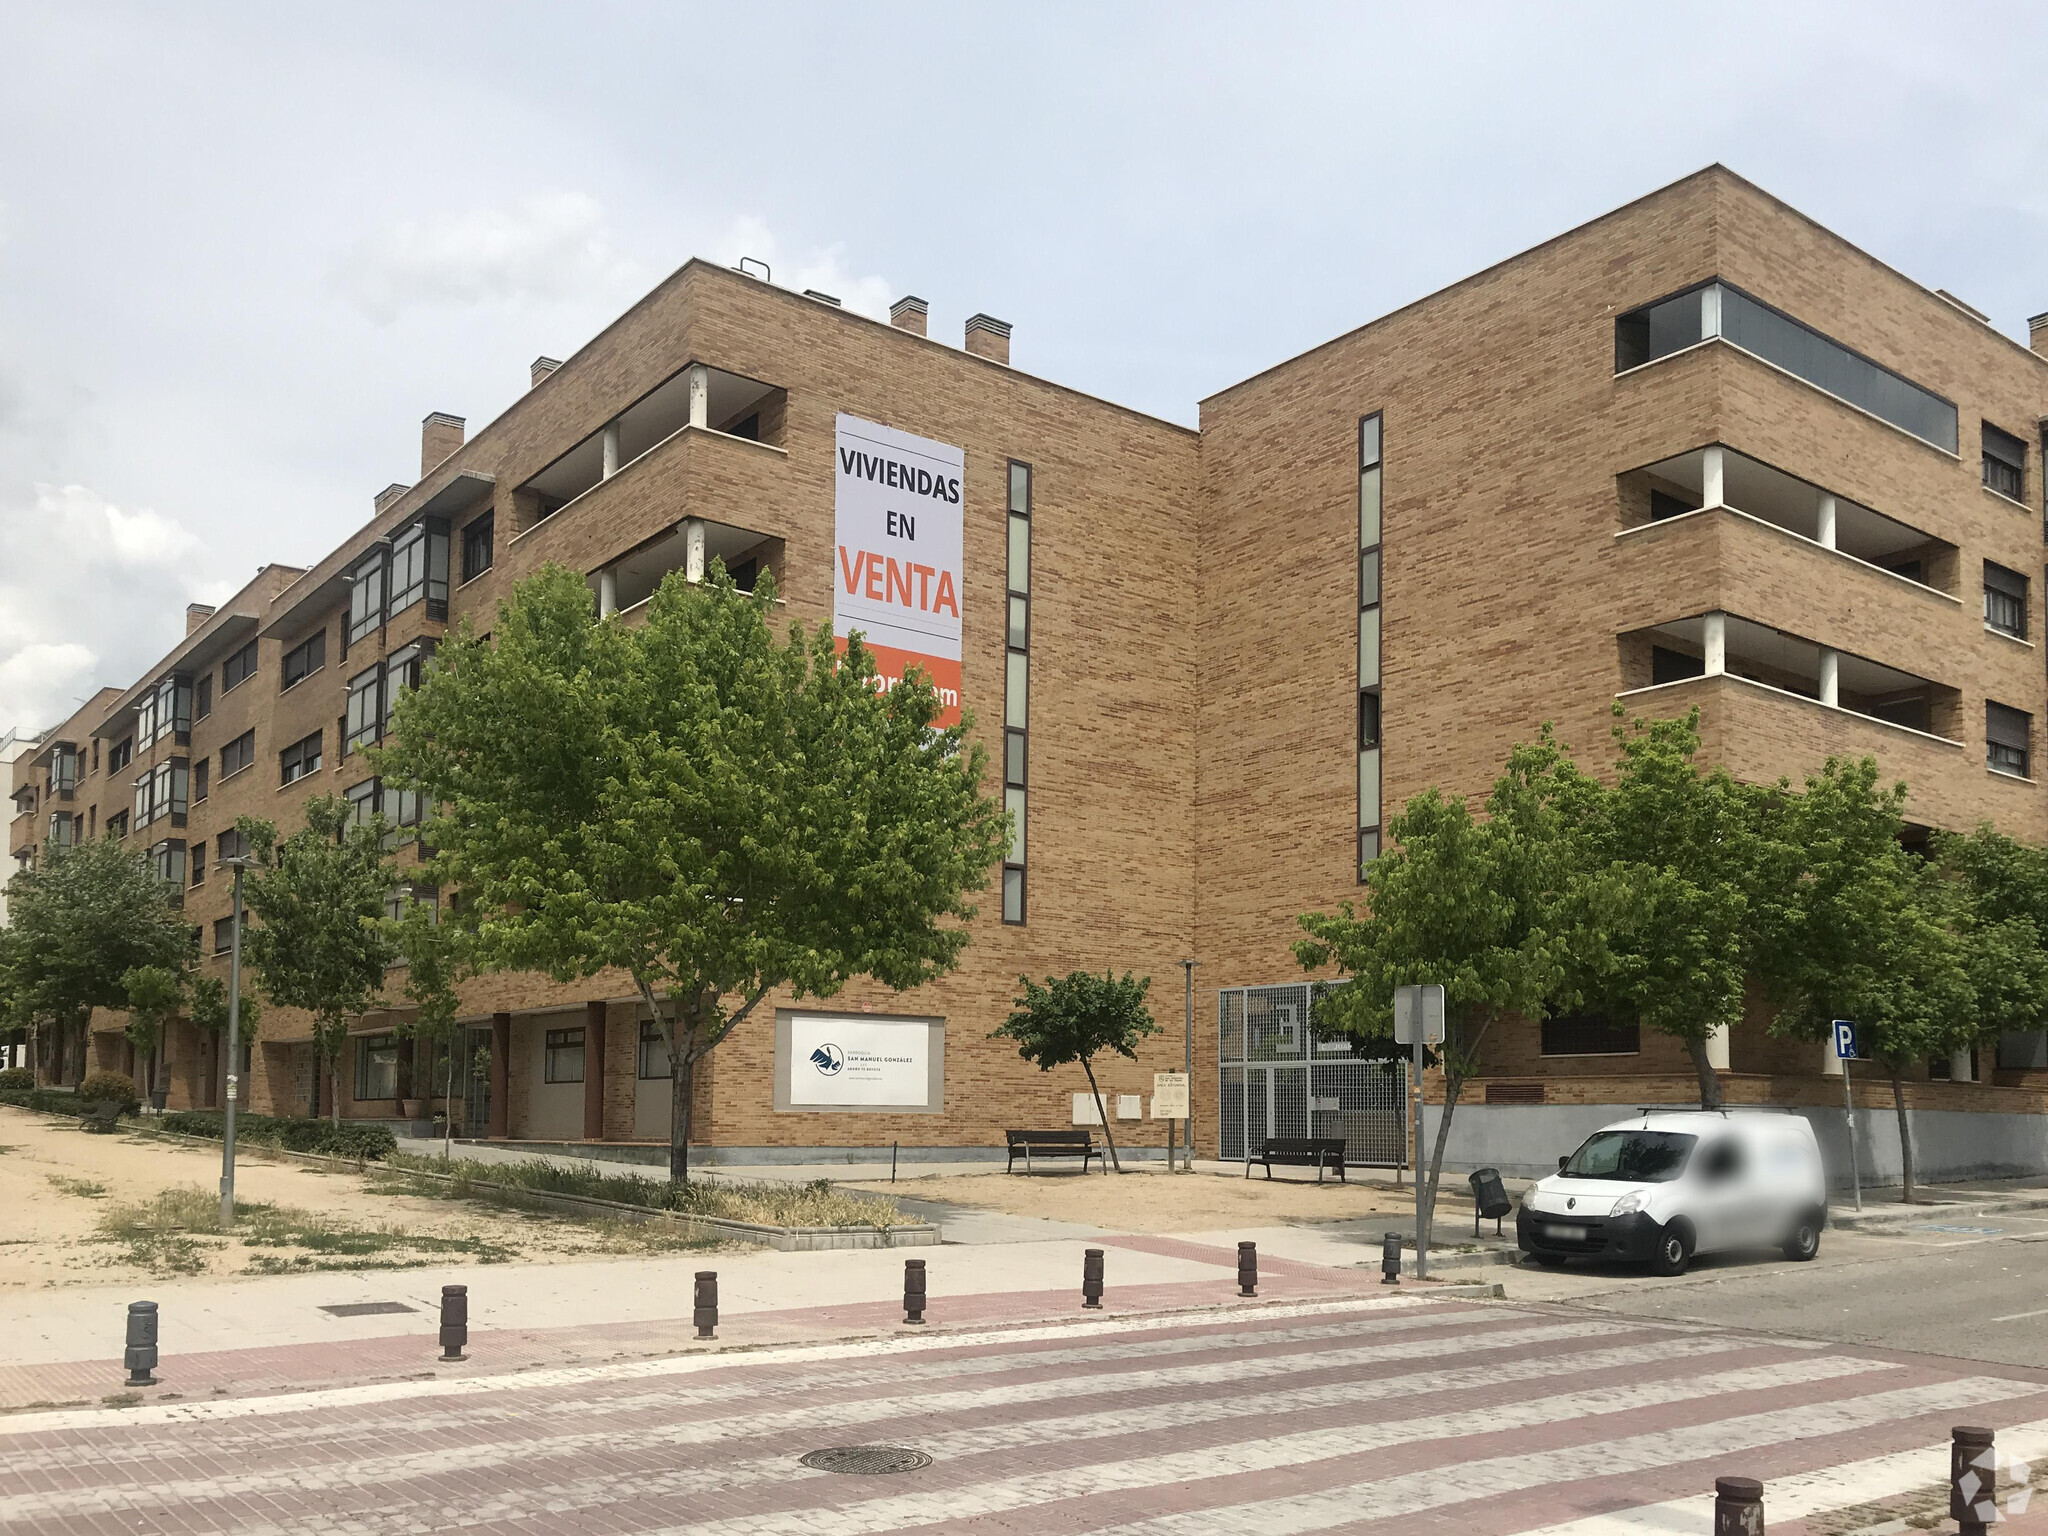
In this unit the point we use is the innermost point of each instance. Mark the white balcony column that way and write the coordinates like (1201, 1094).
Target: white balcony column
(611, 449)
(1962, 1066)
(1714, 642)
(1826, 533)
(1830, 1063)
(1717, 1048)
(700, 396)
(1713, 475)
(607, 592)
(693, 549)
(1831, 678)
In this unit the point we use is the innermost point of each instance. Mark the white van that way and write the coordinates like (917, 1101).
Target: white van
(1663, 1186)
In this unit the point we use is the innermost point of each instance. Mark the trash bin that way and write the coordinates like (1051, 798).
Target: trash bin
(1489, 1198)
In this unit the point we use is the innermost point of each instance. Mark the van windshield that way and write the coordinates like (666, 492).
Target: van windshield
(1634, 1157)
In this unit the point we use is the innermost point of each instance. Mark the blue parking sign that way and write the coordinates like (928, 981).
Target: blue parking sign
(1845, 1040)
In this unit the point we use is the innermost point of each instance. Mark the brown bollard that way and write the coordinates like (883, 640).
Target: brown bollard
(454, 1321)
(1738, 1506)
(1247, 1269)
(706, 1302)
(1091, 1279)
(913, 1291)
(1972, 1479)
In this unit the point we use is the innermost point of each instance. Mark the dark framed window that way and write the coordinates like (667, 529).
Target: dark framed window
(419, 568)
(1590, 1034)
(2008, 737)
(202, 771)
(364, 721)
(238, 754)
(231, 844)
(563, 1056)
(202, 697)
(1370, 466)
(303, 660)
(366, 597)
(1663, 505)
(199, 863)
(2005, 463)
(362, 801)
(1368, 719)
(402, 672)
(653, 1052)
(1017, 687)
(300, 758)
(238, 668)
(479, 540)
(169, 859)
(1669, 666)
(117, 824)
(2005, 601)
(121, 754)
(223, 935)
(376, 1067)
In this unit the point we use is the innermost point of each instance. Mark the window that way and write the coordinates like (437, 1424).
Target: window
(1669, 666)
(376, 1067)
(362, 801)
(564, 1058)
(300, 758)
(238, 668)
(1716, 310)
(366, 597)
(202, 697)
(64, 768)
(199, 863)
(63, 829)
(223, 935)
(238, 754)
(121, 754)
(1369, 468)
(2007, 733)
(231, 844)
(200, 772)
(2005, 601)
(303, 660)
(1590, 1034)
(364, 722)
(166, 710)
(403, 671)
(169, 859)
(2005, 463)
(404, 809)
(419, 568)
(653, 1051)
(162, 792)
(1663, 504)
(478, 541)
(1017, 690)
(117, 824)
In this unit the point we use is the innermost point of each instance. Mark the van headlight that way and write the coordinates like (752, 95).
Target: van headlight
(1628, 1204)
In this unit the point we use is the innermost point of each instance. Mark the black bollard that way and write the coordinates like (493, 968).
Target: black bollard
(1247, 1269)
(706, 1315)
(913, 1291)
(1972, 1479)
(1738, 1506)
(1091, 1279)
(141, 1356)
(454, 1322)
(1390, 1259)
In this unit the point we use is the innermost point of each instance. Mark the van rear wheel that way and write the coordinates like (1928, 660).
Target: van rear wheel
(1674, 1250)
(1804, 1242)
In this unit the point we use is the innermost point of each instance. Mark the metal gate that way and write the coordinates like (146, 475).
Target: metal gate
(1279, 1078)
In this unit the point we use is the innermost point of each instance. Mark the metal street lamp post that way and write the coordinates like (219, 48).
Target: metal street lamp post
(227, 1136)
(1188, 967)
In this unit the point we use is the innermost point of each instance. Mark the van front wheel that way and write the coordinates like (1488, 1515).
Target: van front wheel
(1674, 1250)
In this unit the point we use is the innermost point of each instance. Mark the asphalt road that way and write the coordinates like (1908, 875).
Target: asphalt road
(1972, 1287)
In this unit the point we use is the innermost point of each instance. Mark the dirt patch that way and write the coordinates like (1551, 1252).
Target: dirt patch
(1148, 1199)
(83, 1209)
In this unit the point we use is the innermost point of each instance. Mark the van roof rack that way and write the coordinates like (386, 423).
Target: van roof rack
(1697, 1109)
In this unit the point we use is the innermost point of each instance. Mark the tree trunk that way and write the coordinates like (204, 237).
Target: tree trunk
(334, 1087)
(682, 1077)
(448, 1105)
(160, 1069)
(1107, 1135)
(1452, 1086)
(1710, 1080)
(1905, 1134)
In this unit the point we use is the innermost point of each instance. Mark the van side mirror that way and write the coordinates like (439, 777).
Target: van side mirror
(1562, 1160)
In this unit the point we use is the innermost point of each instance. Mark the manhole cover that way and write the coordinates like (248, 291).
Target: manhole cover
(866, 1460)
(367, 1308)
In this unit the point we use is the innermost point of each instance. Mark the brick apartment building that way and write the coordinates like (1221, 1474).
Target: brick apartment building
(1697, 452)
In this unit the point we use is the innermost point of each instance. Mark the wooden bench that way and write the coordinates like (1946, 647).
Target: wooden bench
(1321, 1153)
(1050, 1144)
(101, 1116)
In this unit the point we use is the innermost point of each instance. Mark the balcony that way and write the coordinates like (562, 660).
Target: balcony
(625, 584)
(24, 834)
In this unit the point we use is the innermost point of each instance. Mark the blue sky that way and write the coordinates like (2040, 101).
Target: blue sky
(244, 249)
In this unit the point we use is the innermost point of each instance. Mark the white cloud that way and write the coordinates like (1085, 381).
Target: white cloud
(824, 268)
(550, 247)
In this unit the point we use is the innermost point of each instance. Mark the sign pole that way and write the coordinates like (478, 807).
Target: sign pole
(1845, 1052)
(1421, 1231)
(1188, 1062)
(233, 1074)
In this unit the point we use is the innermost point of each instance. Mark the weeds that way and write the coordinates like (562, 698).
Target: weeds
(85, 1189)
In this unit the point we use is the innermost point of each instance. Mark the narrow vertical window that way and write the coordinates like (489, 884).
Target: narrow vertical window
(1368, 641)
(1016, 689)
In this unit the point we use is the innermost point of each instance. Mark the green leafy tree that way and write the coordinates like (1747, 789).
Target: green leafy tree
(156, 996)
(79, 922)
(209, 1015)
(2003, 885)
(1470, 904)
(1072, 1019)
(433, 954)
(692, 803)
(320, 941)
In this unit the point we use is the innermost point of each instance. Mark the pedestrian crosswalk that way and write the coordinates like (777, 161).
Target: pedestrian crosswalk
(1314, 1417)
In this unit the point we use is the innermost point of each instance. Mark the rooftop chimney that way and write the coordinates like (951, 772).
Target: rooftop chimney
(908, 314)
(197, 614)
(822, 298)
(2037, 334)
(440, 435)
(989, 337)
(389, 494)
(543, 366)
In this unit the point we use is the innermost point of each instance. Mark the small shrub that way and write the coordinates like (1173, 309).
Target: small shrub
(364, 1143)
(51, 1101)
(17, 1077)
(109, 1088)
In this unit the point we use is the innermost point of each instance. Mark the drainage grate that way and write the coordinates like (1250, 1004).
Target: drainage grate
(367, 1308)
(866, 1460)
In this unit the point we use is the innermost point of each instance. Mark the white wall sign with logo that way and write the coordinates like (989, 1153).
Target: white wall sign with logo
(897, 531)
(854, 1061)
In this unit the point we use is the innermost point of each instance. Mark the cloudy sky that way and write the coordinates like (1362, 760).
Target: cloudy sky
(244, 249)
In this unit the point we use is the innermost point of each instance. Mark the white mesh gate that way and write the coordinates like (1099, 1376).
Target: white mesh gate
(1279, 1078)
